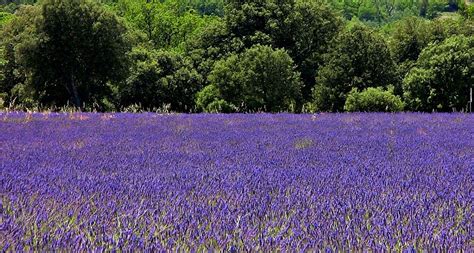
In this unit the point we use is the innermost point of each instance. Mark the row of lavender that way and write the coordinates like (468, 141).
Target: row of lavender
(236, 182)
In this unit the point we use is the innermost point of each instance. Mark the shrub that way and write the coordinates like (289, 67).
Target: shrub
(373, 100)
(209, 100)
(220, 106)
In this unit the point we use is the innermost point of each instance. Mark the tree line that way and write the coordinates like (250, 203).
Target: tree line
(237, 55)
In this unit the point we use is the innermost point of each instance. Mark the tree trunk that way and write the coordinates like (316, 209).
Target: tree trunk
(74, 93)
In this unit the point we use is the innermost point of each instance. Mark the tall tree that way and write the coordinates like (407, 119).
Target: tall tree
(442, 76)
(409, 37)
(70, 51)
(303, 28)
(16, 38)
(360, 59)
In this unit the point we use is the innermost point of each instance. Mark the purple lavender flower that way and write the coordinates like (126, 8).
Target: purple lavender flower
(262, 182)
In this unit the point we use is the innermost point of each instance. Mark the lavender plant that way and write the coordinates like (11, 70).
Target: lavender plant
(150, 182)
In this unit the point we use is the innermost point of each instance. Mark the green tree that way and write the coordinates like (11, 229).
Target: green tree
(410, 36)
(210, 45)
(360, 59)
(379, 11)
(259, 79)
(69, 51)
(16, 36)
(443, 28)
(160, 78)
(442, 76)
(303, 28)
(4, 19)
(469, 11)
(166, 24)
(373, 100)
(307, 34)
(18, 2)
(204, 7)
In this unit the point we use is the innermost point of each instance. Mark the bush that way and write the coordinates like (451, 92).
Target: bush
(220, 106)
(22, 97)
(373, 100)
(209, 100)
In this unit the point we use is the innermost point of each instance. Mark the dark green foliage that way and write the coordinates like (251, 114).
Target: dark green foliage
(235, 55)
(8, 76)
(16, 38)
(312, 27)
(360, 59)
(442, 76)
(259, 79)
(209, 99)
(208, 7)
(10, 6)
(70, 52)
(409, 37)
(373, 100)
(212, 43)
(18, 2)
(303, 28)
(160, 79)
(202, 7)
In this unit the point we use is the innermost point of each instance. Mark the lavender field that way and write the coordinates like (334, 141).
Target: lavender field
(104, 182)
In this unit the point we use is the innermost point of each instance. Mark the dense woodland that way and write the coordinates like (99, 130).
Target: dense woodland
(237, 55)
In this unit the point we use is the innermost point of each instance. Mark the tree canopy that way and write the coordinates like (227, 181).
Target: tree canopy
(158, 79)
(236, 55)
(69, 52)
(442, 76)
(360, 59)
(259, 79)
